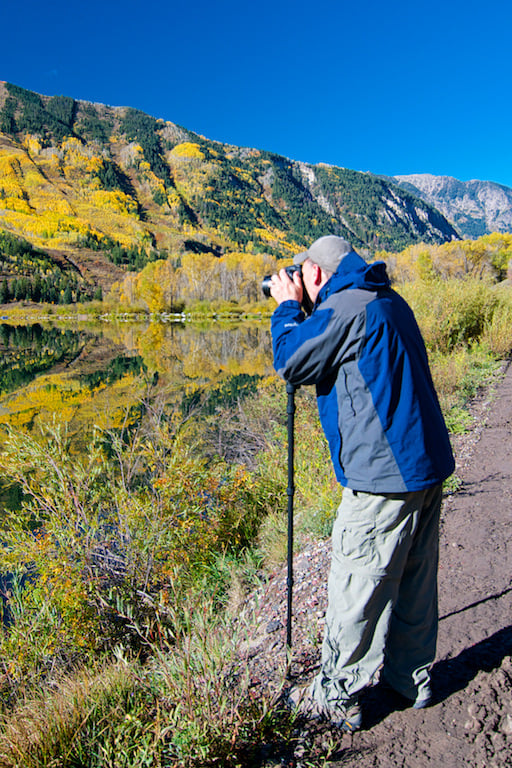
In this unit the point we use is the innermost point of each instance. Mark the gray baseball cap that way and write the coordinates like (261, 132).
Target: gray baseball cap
(327, 252)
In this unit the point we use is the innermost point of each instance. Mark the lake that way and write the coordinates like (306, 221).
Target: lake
(86, 374)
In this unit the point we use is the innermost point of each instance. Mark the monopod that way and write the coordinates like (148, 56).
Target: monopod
(290, 410)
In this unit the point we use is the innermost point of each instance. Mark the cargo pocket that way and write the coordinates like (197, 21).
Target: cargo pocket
(354, 535)
(357, 542)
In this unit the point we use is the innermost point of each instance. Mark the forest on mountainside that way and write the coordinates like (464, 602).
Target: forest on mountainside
(115, 185)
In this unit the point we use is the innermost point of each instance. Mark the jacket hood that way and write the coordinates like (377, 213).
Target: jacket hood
(355, 272)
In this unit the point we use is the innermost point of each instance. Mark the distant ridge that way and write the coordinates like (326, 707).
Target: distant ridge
(474, 207)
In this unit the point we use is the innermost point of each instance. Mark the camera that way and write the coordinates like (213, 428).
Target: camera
(307, 304)
(266, 282)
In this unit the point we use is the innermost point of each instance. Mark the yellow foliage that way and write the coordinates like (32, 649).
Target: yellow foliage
(199, 362)
(198, 271)
(269, 236)
(114, 200)
(275, 237)
(235, 277)
(173, 199)
(458, 258)
(187, 151)
(258, 264)
(132, 155)
(71, 144)
(94, 164)
(243, 174)
(15, 204)
(155, 286)
(151, 292)
(51, 212)
(9, 166)
(59, 206)
(498, 240)
(32, 144)
(61, 397)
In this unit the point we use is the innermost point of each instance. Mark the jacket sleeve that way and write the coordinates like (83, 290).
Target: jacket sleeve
(306, 350)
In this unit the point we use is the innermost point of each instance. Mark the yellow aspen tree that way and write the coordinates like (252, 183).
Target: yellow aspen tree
(198, 273)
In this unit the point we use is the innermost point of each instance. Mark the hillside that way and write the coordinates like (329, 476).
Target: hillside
(96, 185)
(474, 207)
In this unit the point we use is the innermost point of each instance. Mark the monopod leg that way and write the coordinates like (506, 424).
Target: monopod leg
(290, 491)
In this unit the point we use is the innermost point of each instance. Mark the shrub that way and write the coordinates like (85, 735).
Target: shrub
(451, 312)
(102, 543)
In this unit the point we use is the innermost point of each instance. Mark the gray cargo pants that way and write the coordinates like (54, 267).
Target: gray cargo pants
(382, 595)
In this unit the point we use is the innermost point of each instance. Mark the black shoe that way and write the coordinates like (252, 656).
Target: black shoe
(419, 703)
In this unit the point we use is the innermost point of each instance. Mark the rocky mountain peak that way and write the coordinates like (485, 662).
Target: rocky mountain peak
(474, 207)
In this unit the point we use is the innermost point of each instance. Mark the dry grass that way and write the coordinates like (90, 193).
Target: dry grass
(45, 729)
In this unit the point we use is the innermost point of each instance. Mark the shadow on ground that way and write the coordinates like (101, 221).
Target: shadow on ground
(448, 677)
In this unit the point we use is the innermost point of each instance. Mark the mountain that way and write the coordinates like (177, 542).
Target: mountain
(474, 207)
(104, 189)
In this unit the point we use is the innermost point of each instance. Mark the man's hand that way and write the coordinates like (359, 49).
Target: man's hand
(283, 288)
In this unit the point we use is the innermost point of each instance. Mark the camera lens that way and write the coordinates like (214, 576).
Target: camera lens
(267, 280)
(266, 285)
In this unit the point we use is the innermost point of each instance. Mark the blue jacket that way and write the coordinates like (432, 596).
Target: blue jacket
(362, 348)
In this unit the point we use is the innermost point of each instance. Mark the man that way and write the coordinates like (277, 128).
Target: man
(362, 348)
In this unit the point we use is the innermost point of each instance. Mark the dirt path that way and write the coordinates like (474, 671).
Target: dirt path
(470, 721)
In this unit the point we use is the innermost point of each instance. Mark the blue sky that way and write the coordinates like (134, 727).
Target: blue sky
(393, 87)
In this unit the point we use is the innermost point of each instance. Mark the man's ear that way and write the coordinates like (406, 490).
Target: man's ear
(318, 276)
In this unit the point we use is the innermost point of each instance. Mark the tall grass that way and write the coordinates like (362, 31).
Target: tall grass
(123, 641)
(190, 704)
(452, 313)
(467, 327)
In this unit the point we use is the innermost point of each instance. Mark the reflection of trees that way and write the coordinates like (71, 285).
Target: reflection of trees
(180, 351)
(115, 371)
(29, 350)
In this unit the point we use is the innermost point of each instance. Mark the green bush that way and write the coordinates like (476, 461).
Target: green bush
(109, 539)
(453, 312)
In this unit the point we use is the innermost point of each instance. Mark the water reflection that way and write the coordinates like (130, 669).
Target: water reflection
(96, 374)
(27, 351)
